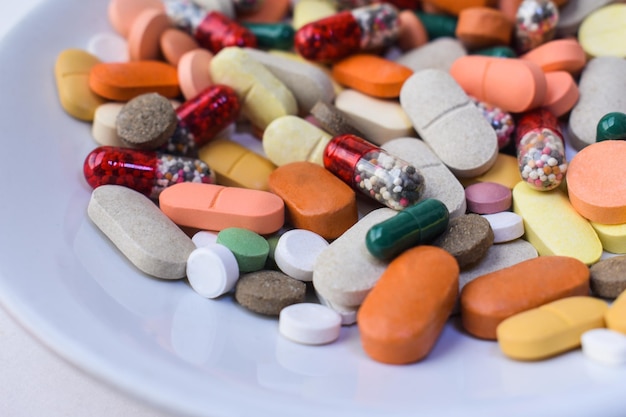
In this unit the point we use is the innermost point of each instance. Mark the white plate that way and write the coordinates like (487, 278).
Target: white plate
(163, 343)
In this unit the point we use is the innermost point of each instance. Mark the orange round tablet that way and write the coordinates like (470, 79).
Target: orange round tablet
(193, 72)
(175, 43)
(561, 93)
(412, 32)
(481, 27)
(595, 182)
(122, 13)
(558, 55)
(145, 34)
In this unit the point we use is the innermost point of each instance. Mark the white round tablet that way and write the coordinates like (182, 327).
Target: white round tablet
(212, 270)
(604, 345)
(296, 252)
(506, 226)
(108, 47)
(309, 323)
(204, 238)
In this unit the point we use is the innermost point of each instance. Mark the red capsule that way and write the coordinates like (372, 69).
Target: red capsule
(374, 172)
(342, 34)
(213, 30)
(540, 150)
(148, 172)
(202, 117)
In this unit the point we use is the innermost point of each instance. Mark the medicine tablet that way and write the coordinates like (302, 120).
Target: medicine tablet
(212, 270)
(604, 346)
(104, 126)
(296, 252)
(615, 317)
(602, 33)
(348, 314)
(268, 292)
(467, 238)
(487, 198)
(309, 323)
(506, 226)
(108, 47)
(249, 248)
(204, 238)
(146, 122)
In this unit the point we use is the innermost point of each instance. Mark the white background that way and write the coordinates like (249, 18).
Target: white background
(34, 382)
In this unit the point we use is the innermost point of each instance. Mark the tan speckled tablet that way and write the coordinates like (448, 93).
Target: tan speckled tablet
(608, 277)
(146, 122)
(136, 226)
(268, 292)
(468, 238)
(447, 120)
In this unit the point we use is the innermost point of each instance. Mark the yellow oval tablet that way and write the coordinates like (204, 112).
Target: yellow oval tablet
(551, 329)
(603, 32)
(615, 317)
(71, 72)
(293, 139)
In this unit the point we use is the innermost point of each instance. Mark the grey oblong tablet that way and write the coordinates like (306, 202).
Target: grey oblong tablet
(136, 226)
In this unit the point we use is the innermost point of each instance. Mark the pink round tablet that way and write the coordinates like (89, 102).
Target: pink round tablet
(487, 198)
(193, 72)
(145, 35)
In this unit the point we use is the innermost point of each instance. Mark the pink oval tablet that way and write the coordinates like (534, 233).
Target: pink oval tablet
(487, 198)
(145, 34)
(193, 72)
(175, 43)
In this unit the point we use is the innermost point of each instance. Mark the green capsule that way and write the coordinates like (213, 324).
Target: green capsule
(497, 51)
(418, 224)
(272, 35)
(438, 25)
(612, 126)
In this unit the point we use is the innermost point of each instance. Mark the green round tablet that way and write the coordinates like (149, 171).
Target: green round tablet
(250, 248)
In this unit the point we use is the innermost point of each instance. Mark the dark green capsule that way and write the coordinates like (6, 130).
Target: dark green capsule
(438, 25)
(612, 126)
(418, 224)
(497, 51)
(272, 35)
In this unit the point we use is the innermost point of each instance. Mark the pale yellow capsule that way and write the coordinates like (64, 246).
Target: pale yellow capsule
(615, 317)
(551, 329)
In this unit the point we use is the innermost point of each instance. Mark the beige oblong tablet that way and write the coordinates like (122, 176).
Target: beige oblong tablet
(136, 226)
(293, 139)
(263, 96)
(104, 127)
(447, 120)
(551, 329)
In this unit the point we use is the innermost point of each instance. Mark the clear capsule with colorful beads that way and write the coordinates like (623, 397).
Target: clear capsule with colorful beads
(535, 24)
(148, 172)
(501, 121)
(540, 150)
(201, 118)
(373, 171)
(212, 29)
(348, 32)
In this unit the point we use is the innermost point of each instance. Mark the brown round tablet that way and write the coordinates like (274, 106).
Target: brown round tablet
(146, 122)
(267, 292)
(608, 277)
(468, 238)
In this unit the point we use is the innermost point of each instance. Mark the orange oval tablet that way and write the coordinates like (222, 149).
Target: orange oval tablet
(316, 200)
(193, 72)
(491, 298)
(122, 13)
(512, 84)
(271, 11)
(175, 43)
(125, 80)
(558, 55)
(595, 182)
(480, 27)
(215, 207)
(457, 6)
(561, 94)
(412, 33)
(403, 315)
(145, 34)
(371, 74)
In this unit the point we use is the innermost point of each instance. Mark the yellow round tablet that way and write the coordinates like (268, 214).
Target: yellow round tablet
(603, 32)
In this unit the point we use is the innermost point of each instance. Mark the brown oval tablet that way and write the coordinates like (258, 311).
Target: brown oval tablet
(145, 34)
(147, 121)
(316, 200)
(480, 27)
(608, 277)
(175, 43)
(491, 298)
(267, 292)
(123, 81)
(468, 238)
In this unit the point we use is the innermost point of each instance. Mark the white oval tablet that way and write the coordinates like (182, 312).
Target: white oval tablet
(108, 47)
(204, 238)
(506, 226)
(604, 345)
(212, 270)
(296, 252)
(309, 323)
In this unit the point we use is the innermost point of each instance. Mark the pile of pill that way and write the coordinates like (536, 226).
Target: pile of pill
(407, 161)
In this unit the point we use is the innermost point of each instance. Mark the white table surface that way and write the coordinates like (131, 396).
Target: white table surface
(35, 382)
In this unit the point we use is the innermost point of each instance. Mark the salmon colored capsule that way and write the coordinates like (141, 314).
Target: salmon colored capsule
(148, 172)
(122, 81)
(211, 29)
(540, 150)
(373, 171)
(403, 315)
(359, 30)
(371, 75)
(215, 207)
(201, 118)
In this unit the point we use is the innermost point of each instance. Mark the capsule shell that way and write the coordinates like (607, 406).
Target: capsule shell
(540, 150)
(415, 225)
(362, 29)
(148, 172)
(272, 35)
(535, 24)
(373, 172)
(202, 117)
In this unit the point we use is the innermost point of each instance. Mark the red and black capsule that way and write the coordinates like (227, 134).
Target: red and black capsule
(211, 29)
(373, 171)
(202, 117)
(348, 32)
(148, 172)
